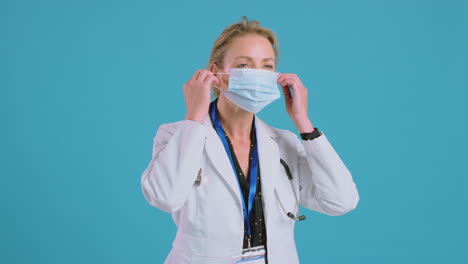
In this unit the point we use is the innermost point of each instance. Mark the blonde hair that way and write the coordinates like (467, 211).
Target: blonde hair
(239, 29)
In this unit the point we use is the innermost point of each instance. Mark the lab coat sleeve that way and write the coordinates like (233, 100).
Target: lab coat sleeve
(175, 163)
(325, 184)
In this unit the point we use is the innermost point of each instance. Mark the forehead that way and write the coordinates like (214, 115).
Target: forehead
(254, 46)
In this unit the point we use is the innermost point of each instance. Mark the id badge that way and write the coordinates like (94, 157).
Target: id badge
(253, 255)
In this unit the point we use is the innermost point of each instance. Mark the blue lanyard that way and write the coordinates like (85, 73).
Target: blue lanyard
(253, 169)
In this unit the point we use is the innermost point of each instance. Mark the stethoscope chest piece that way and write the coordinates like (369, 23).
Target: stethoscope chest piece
(299, 218)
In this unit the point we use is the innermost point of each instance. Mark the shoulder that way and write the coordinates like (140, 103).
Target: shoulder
(289, 144)
(168, 129)
(278, 133)
(172, 126)
(283, 137)
(284, 134)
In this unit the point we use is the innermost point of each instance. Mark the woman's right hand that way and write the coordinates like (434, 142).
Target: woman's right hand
(197, 95)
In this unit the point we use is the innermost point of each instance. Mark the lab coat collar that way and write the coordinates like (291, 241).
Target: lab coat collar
(259, 125)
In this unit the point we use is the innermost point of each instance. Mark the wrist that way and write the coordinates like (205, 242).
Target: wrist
(304, 125)
(311, 135)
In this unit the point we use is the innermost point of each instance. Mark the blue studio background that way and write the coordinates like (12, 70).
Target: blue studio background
(85, 85)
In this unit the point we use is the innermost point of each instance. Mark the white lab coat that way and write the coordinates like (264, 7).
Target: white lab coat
(190, 176)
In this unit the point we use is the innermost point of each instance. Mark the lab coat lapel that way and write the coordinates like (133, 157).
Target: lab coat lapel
(269, 159)
(220, 159)
(268, 155)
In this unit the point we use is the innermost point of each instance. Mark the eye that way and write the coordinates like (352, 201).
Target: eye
(243, 65)
(269, 66)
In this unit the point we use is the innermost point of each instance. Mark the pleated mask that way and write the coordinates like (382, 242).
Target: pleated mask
(252, 89)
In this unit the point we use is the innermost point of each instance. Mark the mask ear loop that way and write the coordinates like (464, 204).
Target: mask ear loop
(217, 86)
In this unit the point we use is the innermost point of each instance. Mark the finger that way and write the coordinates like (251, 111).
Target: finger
(293, 86)
(287, 81)
(196, 74)
(217, 82)
(278, 75)
(287, 93)
(202, 75)
(207, 76)
(284, 76)
(210, 80)
(292, 81)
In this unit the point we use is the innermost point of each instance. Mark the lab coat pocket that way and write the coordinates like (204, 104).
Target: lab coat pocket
(218, 211)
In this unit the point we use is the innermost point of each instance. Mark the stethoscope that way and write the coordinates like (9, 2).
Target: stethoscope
(290, 214)
(288, 172)
(213, 113)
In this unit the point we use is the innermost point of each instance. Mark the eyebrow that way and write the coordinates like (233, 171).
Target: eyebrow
(250, 58)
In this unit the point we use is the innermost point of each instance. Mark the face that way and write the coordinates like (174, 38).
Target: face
(249, 51)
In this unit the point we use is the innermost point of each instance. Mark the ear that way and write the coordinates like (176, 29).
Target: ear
(214, 68)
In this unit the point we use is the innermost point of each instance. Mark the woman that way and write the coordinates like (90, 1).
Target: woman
(232, 183)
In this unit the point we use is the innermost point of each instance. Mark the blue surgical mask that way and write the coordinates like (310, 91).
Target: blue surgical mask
(252, 89)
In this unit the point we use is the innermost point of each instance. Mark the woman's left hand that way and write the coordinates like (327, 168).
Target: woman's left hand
(296, 106)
